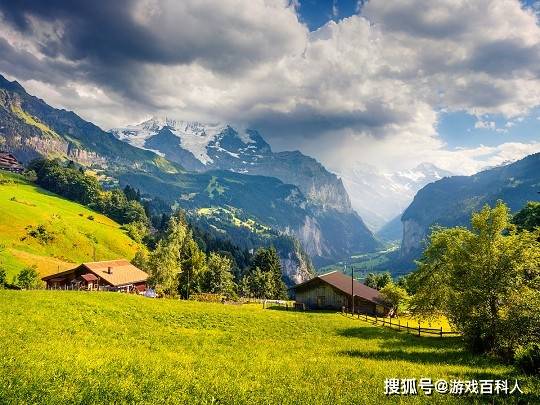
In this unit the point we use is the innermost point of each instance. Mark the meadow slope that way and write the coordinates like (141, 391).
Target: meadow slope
(77, 347)
(75, 230)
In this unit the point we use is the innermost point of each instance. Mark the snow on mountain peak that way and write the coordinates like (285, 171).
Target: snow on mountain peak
(194, 136)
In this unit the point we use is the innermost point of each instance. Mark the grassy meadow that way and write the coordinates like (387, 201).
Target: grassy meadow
(77, 347)
(75, 230)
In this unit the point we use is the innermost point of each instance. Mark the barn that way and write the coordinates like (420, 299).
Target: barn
(334, 291)
(112, 275)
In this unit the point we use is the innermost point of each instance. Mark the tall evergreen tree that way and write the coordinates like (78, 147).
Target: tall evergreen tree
(271, 285)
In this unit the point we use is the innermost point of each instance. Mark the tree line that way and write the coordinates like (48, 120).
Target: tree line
(180, 259)
(73, 183)
(178, 266)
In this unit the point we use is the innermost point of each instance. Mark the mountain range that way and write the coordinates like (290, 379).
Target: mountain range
(380, 197)
(451, 201)
(202, 147)
(308, 204)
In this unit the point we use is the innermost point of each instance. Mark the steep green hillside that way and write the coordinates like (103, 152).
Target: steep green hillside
(60, 347)
(43, 229)
(450, 201)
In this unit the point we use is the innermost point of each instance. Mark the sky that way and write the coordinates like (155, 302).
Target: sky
(388, 84)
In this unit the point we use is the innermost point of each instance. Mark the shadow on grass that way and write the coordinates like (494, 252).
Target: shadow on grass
(415, 349)
(446, 351)
(448, 356)
(409, 339)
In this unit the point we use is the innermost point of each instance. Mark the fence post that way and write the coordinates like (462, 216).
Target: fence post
(399, 325)
(390, 322)
(418, 328)
(407, 326)
(375, 319)
(383, 322)
(366, 317)
(441, 331)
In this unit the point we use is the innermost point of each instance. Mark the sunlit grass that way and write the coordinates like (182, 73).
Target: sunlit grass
(59, 346)
(77, 230)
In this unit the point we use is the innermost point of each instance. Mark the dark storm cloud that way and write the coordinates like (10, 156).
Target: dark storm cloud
(308, 122)
(100, 30)
(111, 42)
(506, 58)
(28, 67)
(109, 32)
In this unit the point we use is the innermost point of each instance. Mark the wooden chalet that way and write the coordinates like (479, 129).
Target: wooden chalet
(10, 163)
(112, 275)
(335, 290)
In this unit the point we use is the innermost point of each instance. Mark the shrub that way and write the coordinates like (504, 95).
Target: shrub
(30, 175)
(528, 358)
(41, 233)
(27, 278)
(3, 278)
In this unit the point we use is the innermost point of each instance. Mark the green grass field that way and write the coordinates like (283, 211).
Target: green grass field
(77, 347)
(75, 229)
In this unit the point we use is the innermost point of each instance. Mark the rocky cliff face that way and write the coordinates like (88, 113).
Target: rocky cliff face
(295, 268)
(413, 235)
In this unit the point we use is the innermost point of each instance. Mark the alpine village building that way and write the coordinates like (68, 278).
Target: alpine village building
(334, 291)
(112, 275)
(10, 163)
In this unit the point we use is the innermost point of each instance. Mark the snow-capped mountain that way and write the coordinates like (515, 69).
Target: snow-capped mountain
(380, 196)
(197, 146)
(201, 147)
(334, 230)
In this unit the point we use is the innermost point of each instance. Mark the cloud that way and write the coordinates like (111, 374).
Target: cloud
(485, 124)
(368, 86)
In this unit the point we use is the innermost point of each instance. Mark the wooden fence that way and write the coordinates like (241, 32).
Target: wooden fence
(402, 326)
(287, 305)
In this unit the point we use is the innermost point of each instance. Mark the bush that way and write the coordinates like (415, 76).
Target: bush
(28, 278)
(41, 233)
(528, 358)
(3, 278)
(30, 175)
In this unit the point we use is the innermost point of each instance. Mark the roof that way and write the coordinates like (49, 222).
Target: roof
(122, 272)
(342, 282)
(89, 277)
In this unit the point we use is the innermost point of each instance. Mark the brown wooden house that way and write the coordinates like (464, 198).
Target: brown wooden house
(10, 163)
(335, 290)
(112, 275)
